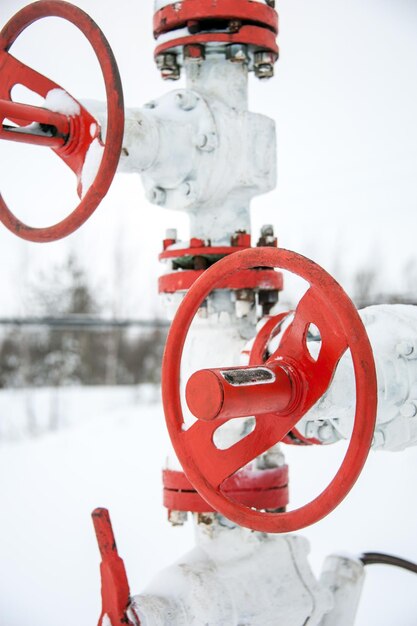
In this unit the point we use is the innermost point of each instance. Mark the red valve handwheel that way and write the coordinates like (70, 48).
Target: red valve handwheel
(73, 148)
(259, 354)
(326, 305)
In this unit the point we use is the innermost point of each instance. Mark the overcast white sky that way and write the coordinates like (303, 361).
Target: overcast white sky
(345, 103)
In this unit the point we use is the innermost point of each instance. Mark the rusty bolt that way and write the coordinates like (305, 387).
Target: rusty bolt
(267, 230)
(237, 53)
(205, 518)
(267, 237)
(168, 66)
(263, 64)
(264, 71)
(177, 518)
(235, 26)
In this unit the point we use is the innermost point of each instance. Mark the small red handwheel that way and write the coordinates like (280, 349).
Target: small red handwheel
(278, 392)
(73, 132)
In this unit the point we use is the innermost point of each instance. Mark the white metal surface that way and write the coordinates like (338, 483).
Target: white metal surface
(236, 577)
(392, 330)
(343, 576)
(200, 151)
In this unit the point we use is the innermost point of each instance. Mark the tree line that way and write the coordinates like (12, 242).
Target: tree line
(54, 356)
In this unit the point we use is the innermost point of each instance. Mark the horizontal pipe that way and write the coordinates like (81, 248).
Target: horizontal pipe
(81, 321)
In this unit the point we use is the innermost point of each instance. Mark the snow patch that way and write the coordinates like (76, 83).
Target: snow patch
(60, 101)
(91, 165)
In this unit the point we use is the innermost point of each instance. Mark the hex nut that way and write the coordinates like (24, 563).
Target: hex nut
(404, 348)
(186, 100)
(156, 195)
(206, 141)
(237, 53)
(264, 71)
(177, 518)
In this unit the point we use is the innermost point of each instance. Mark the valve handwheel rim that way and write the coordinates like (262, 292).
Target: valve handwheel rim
(206, 466)
(115, 115)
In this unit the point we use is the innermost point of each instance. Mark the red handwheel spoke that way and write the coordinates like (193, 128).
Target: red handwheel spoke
(217, 464)
(313, 309)
(14, 72)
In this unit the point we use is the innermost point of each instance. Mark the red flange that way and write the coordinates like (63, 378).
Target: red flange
(260, 38)
(223, 21)
(262, 489)
(73, 134)
(199, 250)
(267, 280)
(326, 305)
(180, 14)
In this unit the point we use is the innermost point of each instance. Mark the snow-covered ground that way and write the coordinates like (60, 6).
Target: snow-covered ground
(108, 450)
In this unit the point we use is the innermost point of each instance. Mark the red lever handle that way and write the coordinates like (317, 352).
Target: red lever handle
(115, 592)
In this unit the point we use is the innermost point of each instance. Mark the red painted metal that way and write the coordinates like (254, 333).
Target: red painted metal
(260, 38)
(178, 15)
(25, 115)
(201, 250)
(326, 305)
(262, 489)
(115, 594)
(241, 240)
(246, 279)
(224, 393)
(259, 354)
(79, 138)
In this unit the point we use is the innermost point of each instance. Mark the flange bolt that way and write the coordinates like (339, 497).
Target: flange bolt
(263, 64)
(168, 66)
(237, 53)
(156, 195)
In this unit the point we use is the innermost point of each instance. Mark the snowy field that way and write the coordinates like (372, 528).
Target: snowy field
(107, 450)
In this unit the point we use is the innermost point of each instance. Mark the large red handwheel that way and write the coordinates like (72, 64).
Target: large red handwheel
(74, 132)
(278, 392)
